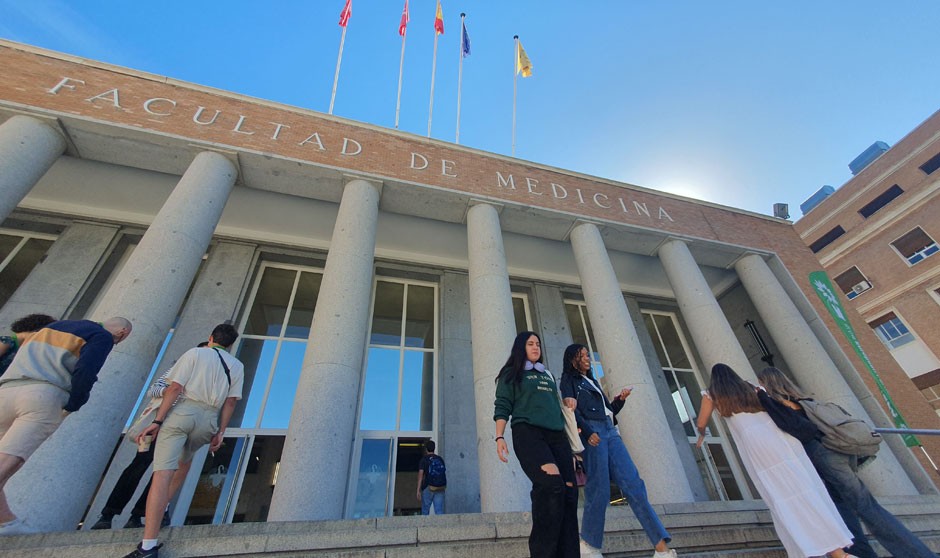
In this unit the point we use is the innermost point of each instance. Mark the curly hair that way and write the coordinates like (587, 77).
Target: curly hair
(32, 322)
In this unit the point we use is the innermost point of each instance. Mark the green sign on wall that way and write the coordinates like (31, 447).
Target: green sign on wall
(827, 294)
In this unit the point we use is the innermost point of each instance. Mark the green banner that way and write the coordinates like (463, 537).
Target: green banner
(827, 294)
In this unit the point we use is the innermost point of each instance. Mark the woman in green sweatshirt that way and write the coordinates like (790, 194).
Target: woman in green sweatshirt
(526, 391)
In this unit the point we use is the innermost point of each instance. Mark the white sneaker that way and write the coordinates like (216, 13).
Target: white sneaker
(588, 551)
(16, 527)
(668, 554)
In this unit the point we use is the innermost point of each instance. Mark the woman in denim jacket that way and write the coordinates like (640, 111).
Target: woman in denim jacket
(605, 457)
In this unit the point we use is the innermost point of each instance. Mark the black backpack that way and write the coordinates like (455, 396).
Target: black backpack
(437, 473)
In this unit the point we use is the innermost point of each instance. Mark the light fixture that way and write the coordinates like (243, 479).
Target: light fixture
(767, 357)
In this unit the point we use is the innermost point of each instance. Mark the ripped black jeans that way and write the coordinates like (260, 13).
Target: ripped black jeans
(554, 503)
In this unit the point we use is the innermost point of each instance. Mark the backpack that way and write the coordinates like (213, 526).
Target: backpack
(842, 432)
(437, 474)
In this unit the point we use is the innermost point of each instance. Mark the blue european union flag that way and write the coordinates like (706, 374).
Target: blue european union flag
(465, 42)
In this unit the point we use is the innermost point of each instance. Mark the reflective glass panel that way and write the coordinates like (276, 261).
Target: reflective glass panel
(270, 304)
(261, 471)
(372, 483)
(258, 356)
(380, 397)
(578, 335)
(7, 243)
(417, 391)
(301, 313)
(419, 327)
(216, 483)
(19, 267)
(518, 313)
(670, 337)
(387, 314)
(657, 341)
(151, 378)
(280, 400)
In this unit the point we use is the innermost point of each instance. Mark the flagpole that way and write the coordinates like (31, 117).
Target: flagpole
(515, 77)
(460, 72)
(339, 59)
(433, 70)
(401, 65)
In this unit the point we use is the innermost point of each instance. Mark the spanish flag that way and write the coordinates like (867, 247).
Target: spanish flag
(439, 19)
(523, 64)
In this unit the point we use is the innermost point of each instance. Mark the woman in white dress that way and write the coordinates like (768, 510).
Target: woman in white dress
(804, 516)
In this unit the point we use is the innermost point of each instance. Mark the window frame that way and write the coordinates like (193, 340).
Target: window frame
(907, 259)
(908, 335)
(852, 293)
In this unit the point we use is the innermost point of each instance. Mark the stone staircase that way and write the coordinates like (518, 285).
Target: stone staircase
(699, 530)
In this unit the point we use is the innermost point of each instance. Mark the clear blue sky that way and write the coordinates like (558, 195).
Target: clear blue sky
(743, 103)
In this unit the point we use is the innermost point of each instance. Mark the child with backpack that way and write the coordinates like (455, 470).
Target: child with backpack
(432, 480)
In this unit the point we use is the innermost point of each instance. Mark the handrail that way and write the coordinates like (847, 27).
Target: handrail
(919, 431)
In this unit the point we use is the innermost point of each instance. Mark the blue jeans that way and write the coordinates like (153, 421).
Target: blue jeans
(855, 502)
(428, 498)
(610, 460)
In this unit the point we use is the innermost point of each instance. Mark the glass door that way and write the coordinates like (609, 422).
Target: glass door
(723, 476)
(398, 401)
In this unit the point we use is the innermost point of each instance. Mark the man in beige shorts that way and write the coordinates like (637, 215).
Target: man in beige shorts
(210, 380)
(51, 376)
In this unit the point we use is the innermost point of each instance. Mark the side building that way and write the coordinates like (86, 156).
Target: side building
(377, 279)
(876, 237)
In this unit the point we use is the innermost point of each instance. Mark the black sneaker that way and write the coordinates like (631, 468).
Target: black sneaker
(104, 522)
(134, 522)
(141, 553)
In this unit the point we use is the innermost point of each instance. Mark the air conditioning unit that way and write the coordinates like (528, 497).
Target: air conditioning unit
(861, 287)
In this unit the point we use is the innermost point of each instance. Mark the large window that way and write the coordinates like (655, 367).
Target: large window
(827, 239)
(581, 332)
(915, 246)
(520, 312)
(19, 254)
(892, 331)
(398, 406)
(882, 200)
(931, 165)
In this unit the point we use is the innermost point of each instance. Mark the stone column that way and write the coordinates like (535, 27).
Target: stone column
(645, 428)
(52, 286)
(458, 436)
(148, 291)
(503, 486)
(323, 421)
(811, 365)
(214, 300)
(713, 336)
(28, 147)
(553, 325)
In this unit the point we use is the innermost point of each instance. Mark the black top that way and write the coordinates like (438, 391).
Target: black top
(591, 402)
(793, 422)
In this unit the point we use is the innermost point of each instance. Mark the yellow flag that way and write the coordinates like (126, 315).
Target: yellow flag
(523, 64)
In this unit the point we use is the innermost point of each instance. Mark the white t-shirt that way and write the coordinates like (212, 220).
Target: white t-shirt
(203, 378)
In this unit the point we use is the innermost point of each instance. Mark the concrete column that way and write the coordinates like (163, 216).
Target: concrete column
(458, 412)
(713, 336)
(52, 286)
(549, 306)
(645, 429)
(28, 147)
(214, 300)
(148, 291)
(503, 486)
(811, 365)
(323, 421)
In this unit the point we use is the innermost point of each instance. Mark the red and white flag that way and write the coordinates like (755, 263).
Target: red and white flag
(405, 18)
(345, 14)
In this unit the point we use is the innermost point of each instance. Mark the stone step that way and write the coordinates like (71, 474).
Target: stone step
(699, 530)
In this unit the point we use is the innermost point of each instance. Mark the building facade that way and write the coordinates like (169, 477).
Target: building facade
(377, 280)
(876, 236)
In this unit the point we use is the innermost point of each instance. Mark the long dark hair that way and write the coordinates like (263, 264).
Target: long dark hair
(730, 393)
(571, 353)
(515, 364)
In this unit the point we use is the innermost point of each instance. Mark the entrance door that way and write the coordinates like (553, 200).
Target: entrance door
(398, 402)
(723, 476)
